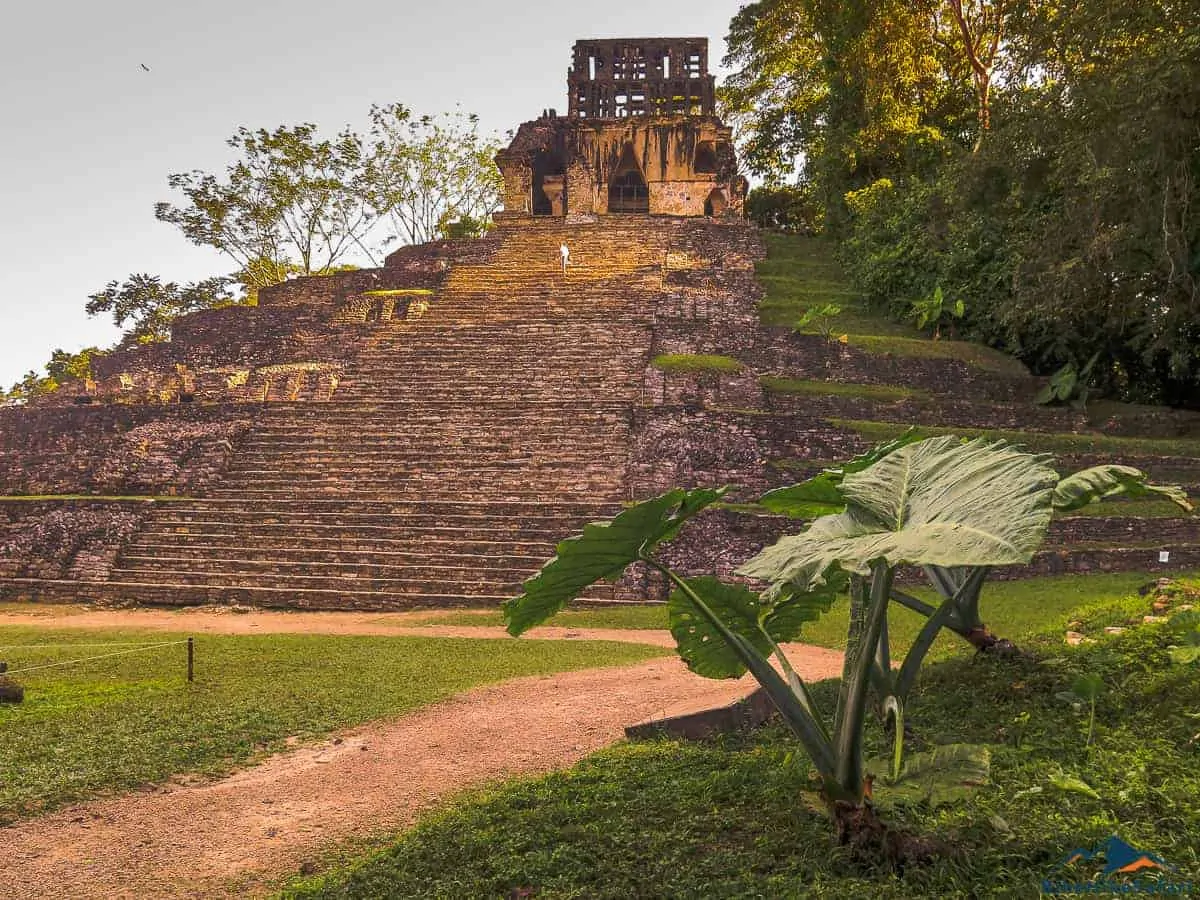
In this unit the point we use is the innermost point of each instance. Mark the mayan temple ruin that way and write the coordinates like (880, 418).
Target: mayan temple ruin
(423, 433)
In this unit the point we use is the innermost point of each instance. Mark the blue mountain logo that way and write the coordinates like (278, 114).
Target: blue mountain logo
(1120, 858)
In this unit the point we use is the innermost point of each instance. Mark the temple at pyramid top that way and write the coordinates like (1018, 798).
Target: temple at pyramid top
(641, 137)
(617, 77)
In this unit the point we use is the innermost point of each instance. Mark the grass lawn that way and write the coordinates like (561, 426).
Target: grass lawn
(1013, 609)
(727, 818)
(1017, 610)
(117, 723)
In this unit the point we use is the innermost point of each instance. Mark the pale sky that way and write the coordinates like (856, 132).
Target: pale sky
(89, 137)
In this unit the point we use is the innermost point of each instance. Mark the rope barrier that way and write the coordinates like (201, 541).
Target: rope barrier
(12, 647)
(72, 662)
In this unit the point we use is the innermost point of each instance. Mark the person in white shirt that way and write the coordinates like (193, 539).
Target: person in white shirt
(566, 256)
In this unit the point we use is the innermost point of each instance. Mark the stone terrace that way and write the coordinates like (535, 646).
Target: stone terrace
(459, 447)
(457, 434)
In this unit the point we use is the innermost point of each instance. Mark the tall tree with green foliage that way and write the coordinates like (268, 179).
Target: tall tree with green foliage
(431, 173)
(63, 366)
(290, 201)
(144, 306)
(1069, 231)
(848, 92)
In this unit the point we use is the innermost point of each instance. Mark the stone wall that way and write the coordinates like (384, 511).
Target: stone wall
(291, 346)
(118, 449)
(590, 154)
(65, 539)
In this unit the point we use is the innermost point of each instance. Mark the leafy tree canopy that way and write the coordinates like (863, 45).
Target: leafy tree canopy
(145, 305)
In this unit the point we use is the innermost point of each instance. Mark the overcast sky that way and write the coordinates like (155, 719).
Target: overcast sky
(89, 137)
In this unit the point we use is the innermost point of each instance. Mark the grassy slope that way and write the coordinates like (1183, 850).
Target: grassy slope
(116, 723)
(1042, 442)
(725, 818)
(800, 272)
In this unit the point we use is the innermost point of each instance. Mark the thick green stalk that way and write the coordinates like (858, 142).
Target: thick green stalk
(929, 632)
(799, 688)
(848, 738)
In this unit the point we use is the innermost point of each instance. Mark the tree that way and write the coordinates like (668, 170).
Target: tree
(980, 25)
(431, 172)
(146, 306)
(62, 367)
(292, 202)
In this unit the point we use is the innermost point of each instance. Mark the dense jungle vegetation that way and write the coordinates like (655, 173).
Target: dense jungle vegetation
(1020, 172)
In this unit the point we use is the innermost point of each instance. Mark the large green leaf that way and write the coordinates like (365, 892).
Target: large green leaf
(821, 494)
(790, 697)
(603, 551)
(938, 502)
(946, 774)
(791, 610)
(1099, 482)
(701, 644)
(703, 647)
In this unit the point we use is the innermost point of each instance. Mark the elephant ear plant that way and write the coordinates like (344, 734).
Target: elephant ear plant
(822, 494)
(938, 502)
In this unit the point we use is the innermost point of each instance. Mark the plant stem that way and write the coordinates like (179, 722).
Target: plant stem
(856, 678)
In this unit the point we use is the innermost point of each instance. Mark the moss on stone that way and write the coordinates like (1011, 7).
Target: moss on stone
(400, 292)
(885, 392)
(690, 362)
(974, 355)
(1047, 442)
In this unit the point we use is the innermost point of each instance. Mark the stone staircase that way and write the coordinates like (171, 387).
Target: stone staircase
(460, 447)
(466, 439)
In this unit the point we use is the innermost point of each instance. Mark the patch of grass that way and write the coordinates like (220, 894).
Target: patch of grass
(1017, 610)
(113, 724)
(800, 272)
(725, 818)
(695, 362)
(885, 392)
(1085, 444)
(633, 617)
(1141, 509)
(975, 355)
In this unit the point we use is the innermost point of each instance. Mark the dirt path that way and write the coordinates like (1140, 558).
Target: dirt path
(219, 620)
(233, 837)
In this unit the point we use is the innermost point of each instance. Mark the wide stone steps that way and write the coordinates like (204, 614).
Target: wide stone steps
(296, 510)
(379, 535)
(490, 554)
(459, 571)
(460, 446)
(511, 488)
(465, 582)
(161, 593)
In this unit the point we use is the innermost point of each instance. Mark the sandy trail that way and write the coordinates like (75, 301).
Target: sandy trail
(219, 620)
(236, 836)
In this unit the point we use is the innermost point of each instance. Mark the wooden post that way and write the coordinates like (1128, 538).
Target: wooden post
(191, 660)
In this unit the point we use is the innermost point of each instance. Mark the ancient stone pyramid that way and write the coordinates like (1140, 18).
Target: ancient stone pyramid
(424, 433)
